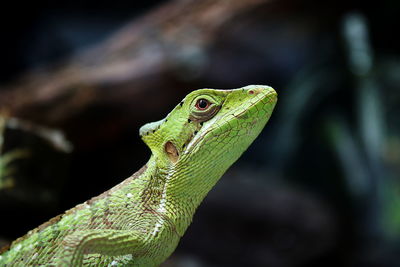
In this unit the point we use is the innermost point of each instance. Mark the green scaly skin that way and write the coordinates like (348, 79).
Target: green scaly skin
(140, 221)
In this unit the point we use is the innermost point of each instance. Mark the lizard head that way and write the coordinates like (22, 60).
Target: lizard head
(210, 128)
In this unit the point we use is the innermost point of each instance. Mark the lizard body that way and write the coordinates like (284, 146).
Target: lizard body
(140, 221)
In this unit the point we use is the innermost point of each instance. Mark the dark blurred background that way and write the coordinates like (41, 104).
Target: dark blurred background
(319, 187)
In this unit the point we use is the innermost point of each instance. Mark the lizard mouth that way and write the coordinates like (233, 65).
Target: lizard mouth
(261, 102)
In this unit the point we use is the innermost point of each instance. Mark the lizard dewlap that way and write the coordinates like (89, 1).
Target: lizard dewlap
(140, 221)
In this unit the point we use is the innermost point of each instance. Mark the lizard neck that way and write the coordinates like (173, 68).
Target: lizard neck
(170, 194)
(173, 193)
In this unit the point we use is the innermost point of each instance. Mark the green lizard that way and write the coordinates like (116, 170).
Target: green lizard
(140, 221)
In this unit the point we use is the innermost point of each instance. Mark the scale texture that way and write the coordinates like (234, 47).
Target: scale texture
(140, 221)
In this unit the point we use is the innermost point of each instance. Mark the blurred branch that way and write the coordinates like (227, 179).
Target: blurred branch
(54, 137)
(33, 161)
(351, 158)
(380, 204)
(172, 39)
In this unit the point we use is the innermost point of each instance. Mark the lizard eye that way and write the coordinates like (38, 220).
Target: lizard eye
(204, 108)
(202, 104)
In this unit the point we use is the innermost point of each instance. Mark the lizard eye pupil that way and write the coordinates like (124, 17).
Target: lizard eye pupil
(202, 104)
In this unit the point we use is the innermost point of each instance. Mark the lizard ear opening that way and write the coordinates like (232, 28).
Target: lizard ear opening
(171, 151)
